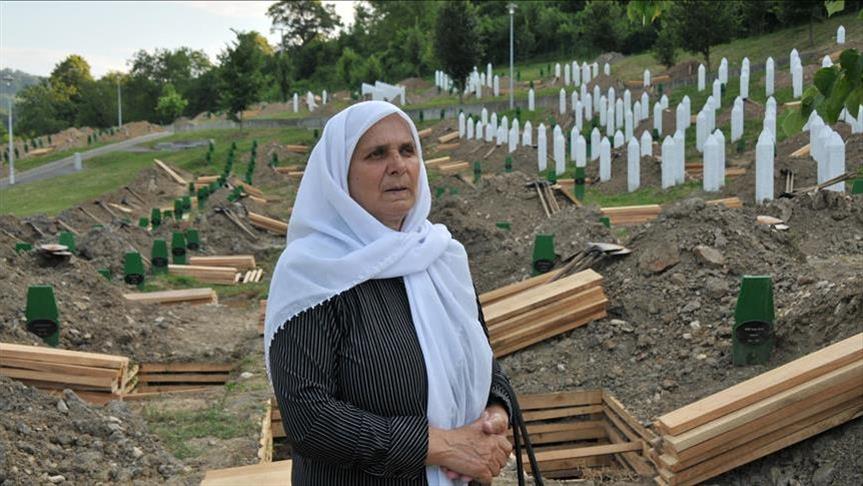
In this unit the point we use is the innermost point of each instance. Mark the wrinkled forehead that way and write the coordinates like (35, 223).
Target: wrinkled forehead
(386, 126)
(391, 130)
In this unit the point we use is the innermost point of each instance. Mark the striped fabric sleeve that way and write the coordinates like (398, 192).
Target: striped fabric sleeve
(319, 427)
(498, 394)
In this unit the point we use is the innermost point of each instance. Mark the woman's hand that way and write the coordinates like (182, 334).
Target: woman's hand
(476, 451)
(469, 451)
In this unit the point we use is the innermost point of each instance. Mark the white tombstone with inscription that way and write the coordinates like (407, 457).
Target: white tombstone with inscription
(736, 122)
(461, 123)
(717, 93)
(480, 131)
(531, 105)
(627, 124)
(711, 165)
(496, 85)
(469, 128)
(764, 168)
(561, 102)
(680, 157)
(720, 140)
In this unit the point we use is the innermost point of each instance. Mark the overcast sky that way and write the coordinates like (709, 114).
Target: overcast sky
(35, 36)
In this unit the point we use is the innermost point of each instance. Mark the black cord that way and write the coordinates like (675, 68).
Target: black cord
(519, 428)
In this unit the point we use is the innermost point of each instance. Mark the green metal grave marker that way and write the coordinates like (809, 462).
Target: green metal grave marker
(143, 222)
(178, 248)
(543, 254)
(857, 186)
(578, 187)
(660, 88)
(155, 217)
(106, 272)
(191, 188)
(133, 269)
(67, 239)
(551, 175)
(753, 333)
(187, 203)
(504, 225)
(159, 257)
(439, 191)
(178, 209)
(43, 319)
(507, 165)
(477, 171)
(442, 113)
(167, 214)
(606, 221)
(19, 247)
(193, 241)
(274, 160)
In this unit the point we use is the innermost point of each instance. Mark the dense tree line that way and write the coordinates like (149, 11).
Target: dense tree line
(389, 40)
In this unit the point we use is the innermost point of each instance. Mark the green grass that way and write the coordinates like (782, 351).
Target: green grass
(112, 171)
(645, 195)
(177, 427)
(33, 162)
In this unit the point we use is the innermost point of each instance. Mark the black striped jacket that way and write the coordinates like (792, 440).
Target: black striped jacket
(350, 380)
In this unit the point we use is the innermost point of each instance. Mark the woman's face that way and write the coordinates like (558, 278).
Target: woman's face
(382, 177)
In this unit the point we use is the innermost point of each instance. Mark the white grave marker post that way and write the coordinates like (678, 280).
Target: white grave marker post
(566, 74)
(531, 105)
(717, 92)
(512, 140)
(646, 144)
(469, 128)
(596, 96)
(736, 122)
(720, 164)
(840, 35)
(603, 111)
(483, 80)
(723, 71)
(664, 101)
(710, 111)
(594, 69)
(688, 104)
(461, 123)
(576, 74)
(764, 168)
(836, 165)
(561, 102)
(744, 85)
(324, 97)
(618, 139)
(627, 124)
(606, 69)
(595, 139)
(587, 102)
(585, 73)
(826, 62)
(573, 136)
(604, 160)
(496, 85)
(559, 151)
(504, 122)
(479, 130)
(627, 100)
(527, 135)
(633, 162)
(500, 136)
(657, 118)
(490, 132)
(488, 74)
(667, 162)
(541, 148)
(702, 77)
(579, 114)
(815, 125)
(645, 106)
(77, 162)
(797, 80)
(618, 113)
(823, 159)
(493, 121)
(580, 151)
(483, 115)
(680, 117)
(610, 127)
(612, 94)
(679, 168)
(296, 101)
(573, 99)
(516, 129)
(636, 113)
(646, 78)
(701, 132)
(769, 75)
(711, 161)
(557, 71)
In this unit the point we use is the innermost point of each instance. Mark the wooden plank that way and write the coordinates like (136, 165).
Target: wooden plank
(555, 413)
(561, 459)
(51, 355)
(170, 172)
(455, 167)
(267, 223)
(803, 151)
(763, 385)
(506, 291)
(851, 374)
(764, 425)
(61, 368)
(503, 350)
(276, 473)
(447, 146)
(183, 378)
(424, 133)
(186, 367)
(144, 388)
(107, 383)
(559, 399)
(567, 305)
(728, 202)
(614, 406)
(139, 395)
(636, 462)
(265, 451)
(565, 432)
(120, 207)
(632, 210)
(439, 160)
(769, 444)
(449, 137)
(239, 262)
(297, 149)
(537, 296)
(200, 296)
(248, 188)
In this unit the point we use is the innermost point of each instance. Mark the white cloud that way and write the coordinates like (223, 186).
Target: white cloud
(233, 9)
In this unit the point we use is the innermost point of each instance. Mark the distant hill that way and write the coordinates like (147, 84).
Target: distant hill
(20, 80)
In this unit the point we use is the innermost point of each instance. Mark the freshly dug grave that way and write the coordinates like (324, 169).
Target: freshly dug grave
(46, 439)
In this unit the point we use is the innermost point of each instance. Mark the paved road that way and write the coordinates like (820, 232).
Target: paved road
(67, 165)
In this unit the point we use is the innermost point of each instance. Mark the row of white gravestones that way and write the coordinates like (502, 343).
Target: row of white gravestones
(714, 162)
(559, 151)
(672, 157)
(828, 150)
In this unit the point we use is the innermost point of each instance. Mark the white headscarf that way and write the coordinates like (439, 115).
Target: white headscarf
(334, 244)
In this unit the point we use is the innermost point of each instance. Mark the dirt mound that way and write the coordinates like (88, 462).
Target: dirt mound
(50, 440)
(415, 83)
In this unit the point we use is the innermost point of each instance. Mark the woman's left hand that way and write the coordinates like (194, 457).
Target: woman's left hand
(495, 421)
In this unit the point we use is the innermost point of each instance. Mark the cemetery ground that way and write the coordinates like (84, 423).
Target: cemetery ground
(665, 342)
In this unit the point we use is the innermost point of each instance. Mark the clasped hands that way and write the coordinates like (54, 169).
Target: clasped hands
(476, 451)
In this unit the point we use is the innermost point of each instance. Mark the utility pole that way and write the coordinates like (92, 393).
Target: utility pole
(8, 79)
(119, 105)
(511, 7)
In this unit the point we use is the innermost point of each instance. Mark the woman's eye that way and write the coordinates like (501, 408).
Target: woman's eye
(376, 153)
(408, 149)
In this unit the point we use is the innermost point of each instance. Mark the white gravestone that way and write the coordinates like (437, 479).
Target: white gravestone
(324, 97)
(824, 136)
(479, 130)
(769, 76)
(612, 95)
(461, 123)
(578, 112)
(797, 80)
(627, 100)
(668, 157)
(836, 165)
(483, 115)
(826, 62)
(720, 140)
(633, 165)
(573, 99)
(840, 35)
(566, 74)
(604, 160)
(744, 85)
(488, 74)
(493, 121)
(610, 127)
(559, 151)
(701, 131)
(736, 122)
(606, 69)
(618, 112)
(496, 85)
(527, 135)
(664, 101)
(646, 78)
(504, 122)
(596, 95)
(515, 129)
(815, 125)
(657, 118)
(636, 113)
(710, 111)
(595, 138)
(619, 139)
(594, 69)
(702, 77)
(541, 148)
(587, 102)
(680, 156)
(469, 128)
(710, 165)
(717, 93)
(561, 103)
(490, 132)
(723, 71)
(585, 73)
(512, 142)
(573, 136)
(580, 151)
(500, 136)
(602, 108)
(576, 74)
(680, 117)
(77, 162)
(646, 144)
(645, 106)
(296, 101)
(627, 124)
(764, 168)
(557, 71)
(688, 109)
(531, 105)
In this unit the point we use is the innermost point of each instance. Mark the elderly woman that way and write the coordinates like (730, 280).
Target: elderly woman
(375, 342)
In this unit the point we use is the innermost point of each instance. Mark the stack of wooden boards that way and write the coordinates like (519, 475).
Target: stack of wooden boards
(225, 270)
(631, 215)
(575, 430)
(696, 171)
(762, 415)
(167, 377)
(182, 296)
(94, 377)
(269, 224)
(268, 474)
(528, 312)
(272, 433)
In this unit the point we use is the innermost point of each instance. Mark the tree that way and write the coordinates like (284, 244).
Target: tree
(242, 75)
(36, 110)
(302, 20)
(603, 24)
(701, 24)
(347, 68)
(665, 48)
(170, 105)
(800, 10)
(457, 41)
(67, 81)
